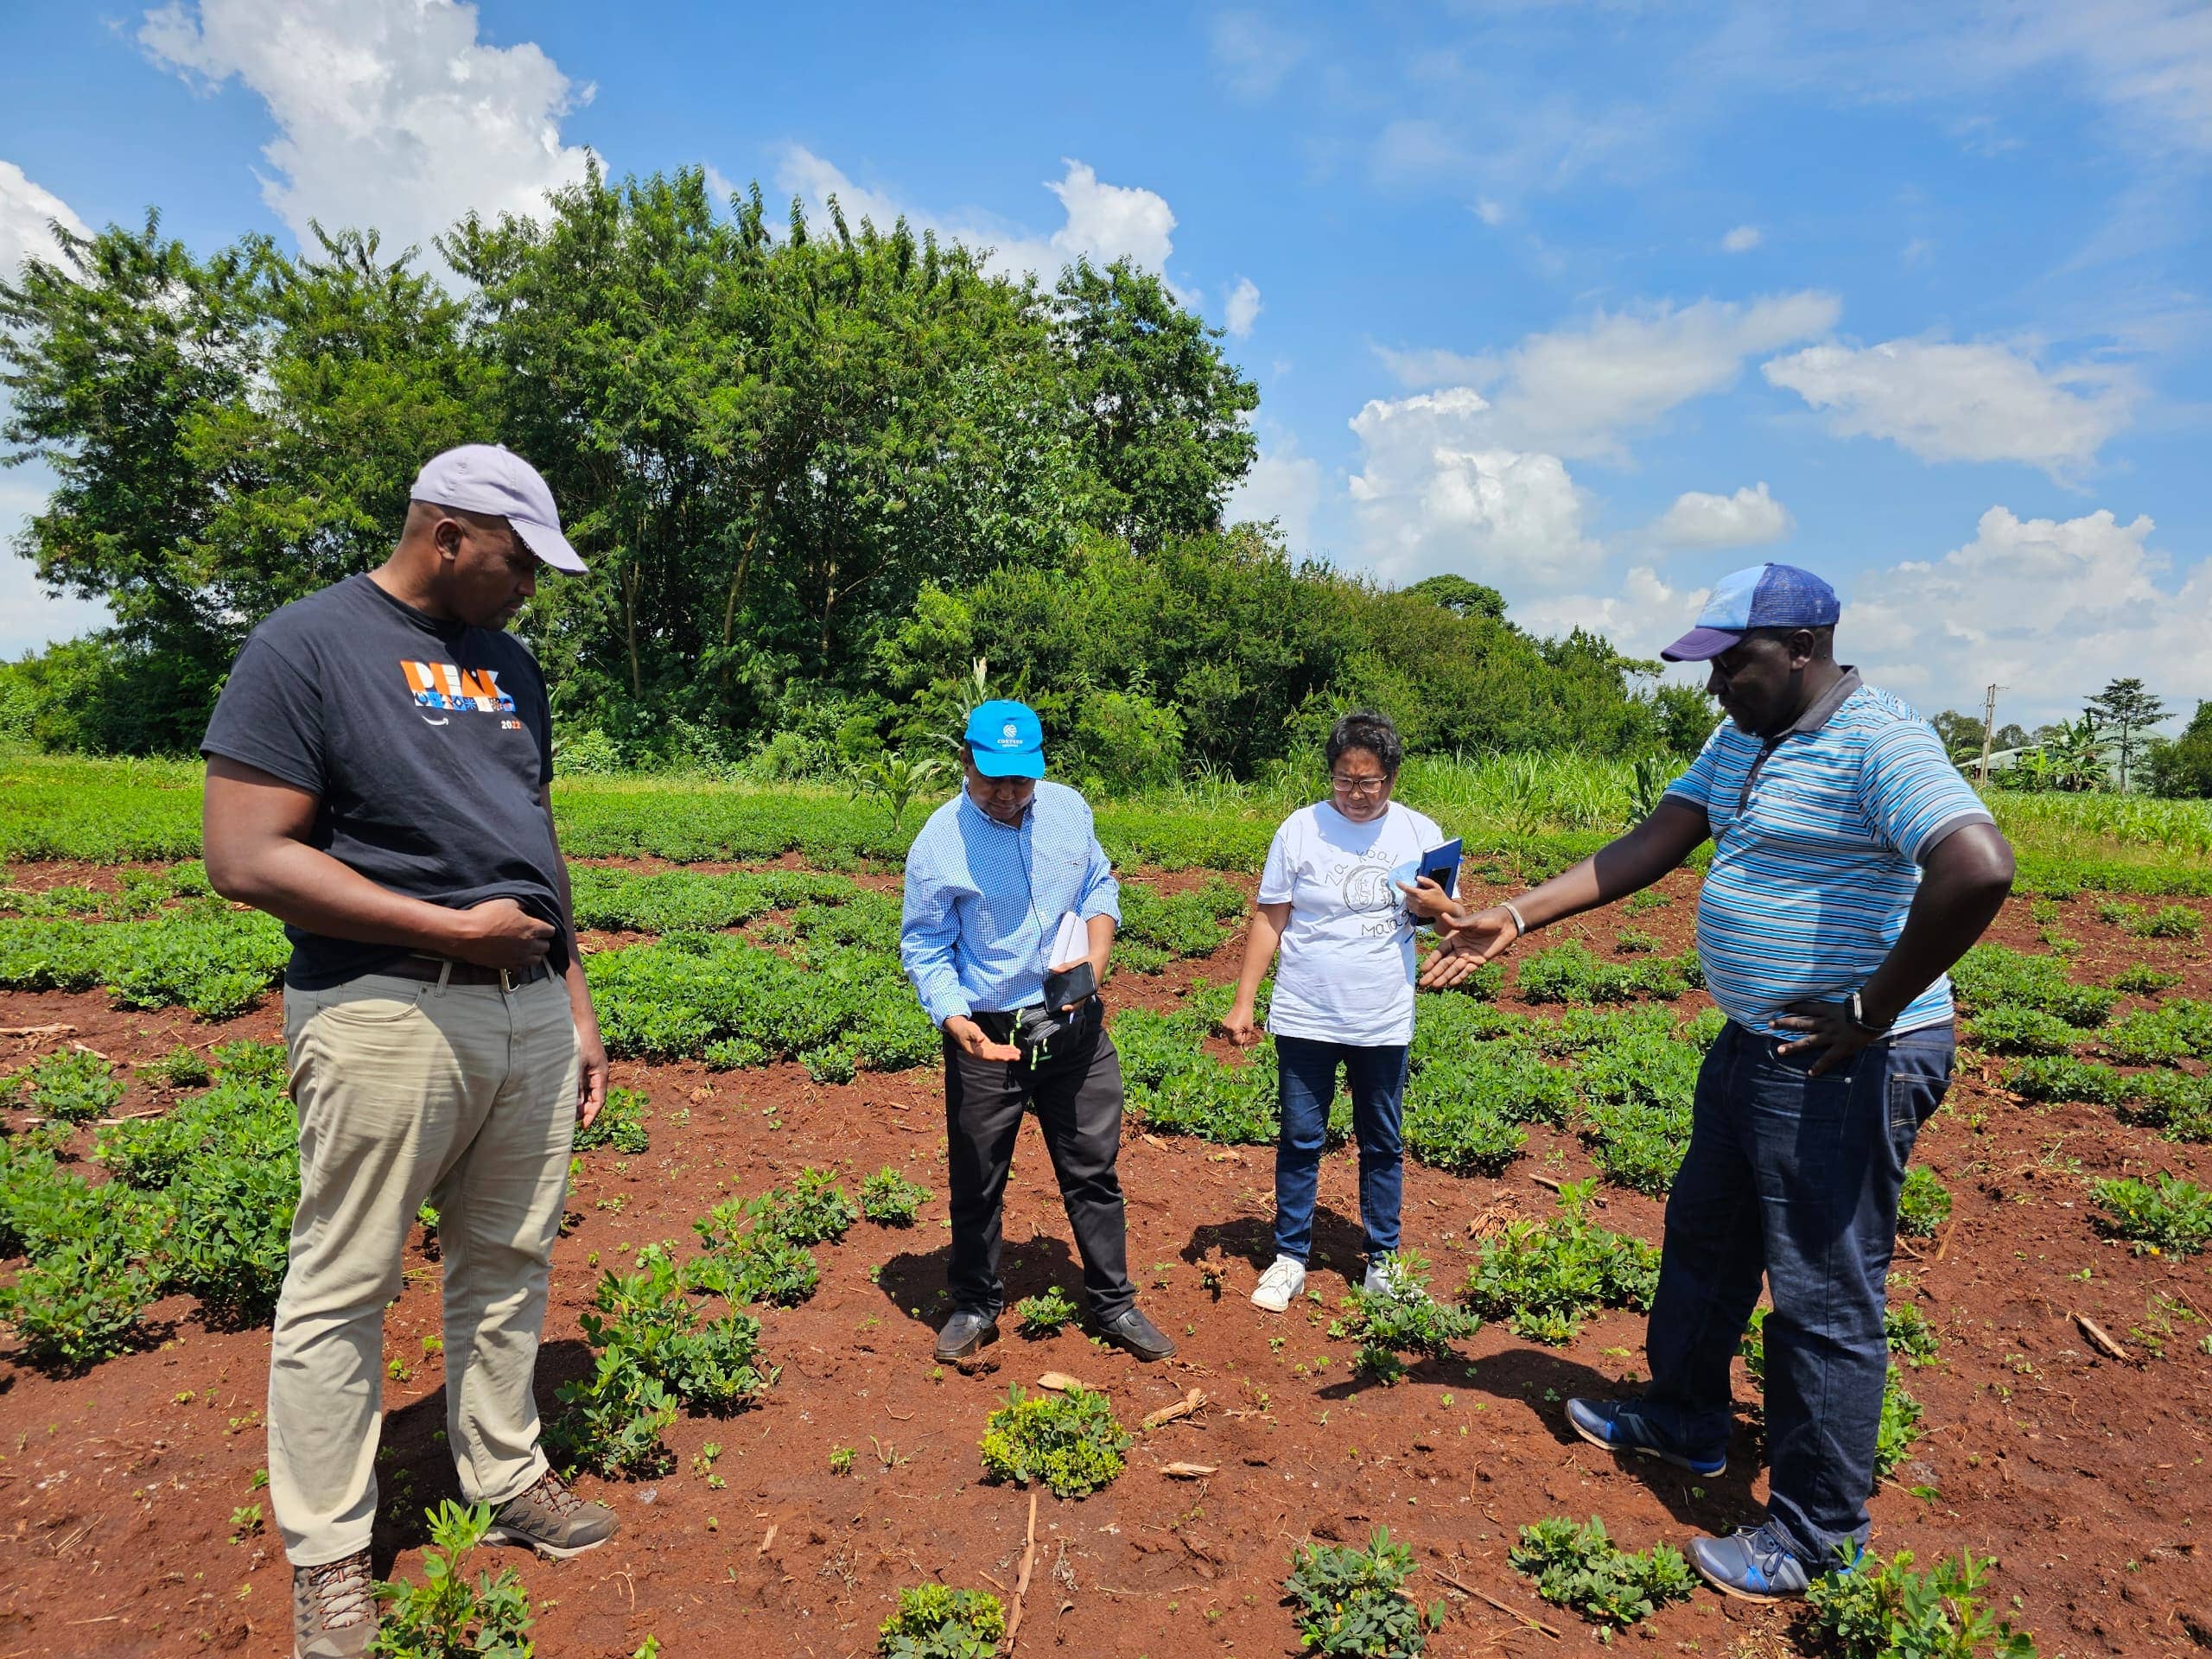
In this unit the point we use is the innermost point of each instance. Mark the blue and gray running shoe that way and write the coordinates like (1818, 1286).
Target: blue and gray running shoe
(1754, 1564)
(1618, 1425)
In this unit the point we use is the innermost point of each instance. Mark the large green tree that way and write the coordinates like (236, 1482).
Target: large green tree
(2124, 707)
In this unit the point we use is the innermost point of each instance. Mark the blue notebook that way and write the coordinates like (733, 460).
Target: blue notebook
(1441, 865)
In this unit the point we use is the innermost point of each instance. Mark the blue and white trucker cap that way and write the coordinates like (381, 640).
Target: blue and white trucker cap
(489, 478)
(1763, 596)
(1006, 739)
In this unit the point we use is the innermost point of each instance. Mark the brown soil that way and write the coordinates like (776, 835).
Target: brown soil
(2083, 1475)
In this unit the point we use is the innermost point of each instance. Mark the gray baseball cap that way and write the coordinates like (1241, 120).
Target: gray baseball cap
(491, 478)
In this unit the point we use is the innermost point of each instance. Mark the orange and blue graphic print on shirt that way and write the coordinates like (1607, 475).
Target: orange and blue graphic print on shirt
(442, 685)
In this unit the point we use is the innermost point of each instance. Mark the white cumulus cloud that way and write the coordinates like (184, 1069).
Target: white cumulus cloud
(1434, 495)
(1579, 390)
(27, 210)
(1645, 616)
(1284, 484)
(1750, 517)
(1945, 402)
(390, 114)
(2048, 609)
(1241, 309)
(1742, 240)
(1101, 222)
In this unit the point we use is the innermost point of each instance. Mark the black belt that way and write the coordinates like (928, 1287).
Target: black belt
(1002, 1026)
(436, 970)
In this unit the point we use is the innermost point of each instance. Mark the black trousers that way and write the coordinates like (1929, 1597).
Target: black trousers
(1075, 1089)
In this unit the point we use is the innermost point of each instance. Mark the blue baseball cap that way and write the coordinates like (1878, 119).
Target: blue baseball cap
(1763, 596)
(1007, 740)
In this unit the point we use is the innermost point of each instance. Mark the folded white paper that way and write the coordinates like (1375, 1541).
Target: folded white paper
(1071, 943)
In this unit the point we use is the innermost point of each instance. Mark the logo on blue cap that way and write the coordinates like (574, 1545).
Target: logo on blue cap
(1007, 740)
(1763, 596)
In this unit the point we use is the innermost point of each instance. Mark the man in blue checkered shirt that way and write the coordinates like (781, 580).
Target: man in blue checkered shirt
(988, 880)
(1852, 866)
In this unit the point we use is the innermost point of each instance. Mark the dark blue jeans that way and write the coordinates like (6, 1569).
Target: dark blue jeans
(1794, 1177)
(1376, 1077)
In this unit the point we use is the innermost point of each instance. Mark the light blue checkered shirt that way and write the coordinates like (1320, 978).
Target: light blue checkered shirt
(983, 900)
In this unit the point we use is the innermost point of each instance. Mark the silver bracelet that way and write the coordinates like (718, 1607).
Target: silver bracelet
(1519, 922)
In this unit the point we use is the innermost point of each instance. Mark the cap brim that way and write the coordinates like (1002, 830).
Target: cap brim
(1700, 645)
(549, 544)
(1027, 763)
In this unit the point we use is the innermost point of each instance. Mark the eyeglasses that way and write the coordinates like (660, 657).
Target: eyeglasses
(1360, 785)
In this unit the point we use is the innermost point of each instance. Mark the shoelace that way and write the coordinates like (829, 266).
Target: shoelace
(551, 1492)
(1767, 1551)
(339, 1591)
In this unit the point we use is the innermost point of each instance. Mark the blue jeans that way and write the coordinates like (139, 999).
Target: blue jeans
(1377, 1079)
(1796, 1177)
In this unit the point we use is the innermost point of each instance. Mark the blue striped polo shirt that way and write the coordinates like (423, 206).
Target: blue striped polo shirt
(1818, 838)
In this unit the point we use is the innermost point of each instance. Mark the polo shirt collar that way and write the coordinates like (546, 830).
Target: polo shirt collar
(1822, 707)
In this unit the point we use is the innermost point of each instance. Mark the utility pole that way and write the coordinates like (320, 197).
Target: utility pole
(1988, 731)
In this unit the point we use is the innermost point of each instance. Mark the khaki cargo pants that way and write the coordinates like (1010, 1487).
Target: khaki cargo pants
(461, 1095)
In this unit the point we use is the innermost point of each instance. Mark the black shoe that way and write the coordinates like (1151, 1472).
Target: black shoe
(1138, 1334)
(966, 1332)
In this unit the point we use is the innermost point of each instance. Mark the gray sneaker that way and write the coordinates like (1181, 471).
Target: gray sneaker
(334, 1609)
(552, 1520)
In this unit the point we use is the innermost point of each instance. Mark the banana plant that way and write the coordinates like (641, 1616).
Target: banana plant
(895, 780)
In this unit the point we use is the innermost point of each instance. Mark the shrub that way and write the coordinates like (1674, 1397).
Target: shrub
(2181, 1029)
(1158, 928)
(1543, 1278)
(1923, 1203)
(935, 1621)
(621, 1124)
(1068, 1441)
(181, 1068)
(1179, 1088)
(1883, 1610)
(2061, 1077)
(1899, 1428)
(74, 1086)
(889, 1199)
(1464, 1113)
(1348, 1600)
(2010, 1029)
(1911, 1338)
(1989, 976)
(230, 1239)
(813, 1211)
(1570, 973)
(754, 1265)
(1579, 1567)
(1408, 1321)
(2144, 980)
(445, 1616)
(2174, 1217)
(1043, 1316)
(205, 956)
(655, 1354)
(2178, 1106)
(78, 1303)
(2169, 922)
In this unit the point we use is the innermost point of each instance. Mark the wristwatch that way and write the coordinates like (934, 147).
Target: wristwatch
(1855, 1012)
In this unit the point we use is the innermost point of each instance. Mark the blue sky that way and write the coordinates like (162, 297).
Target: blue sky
(1591, 302)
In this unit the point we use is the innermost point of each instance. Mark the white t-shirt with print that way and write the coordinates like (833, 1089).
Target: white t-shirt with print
(1346, 972)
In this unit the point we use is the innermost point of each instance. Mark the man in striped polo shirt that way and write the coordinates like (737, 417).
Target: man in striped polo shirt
(1852, 866)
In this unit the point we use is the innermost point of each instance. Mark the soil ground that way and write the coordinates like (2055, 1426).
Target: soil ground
(2083, 1475)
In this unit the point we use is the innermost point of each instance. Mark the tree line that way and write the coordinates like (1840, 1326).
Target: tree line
(2108, 745)
(817, 468)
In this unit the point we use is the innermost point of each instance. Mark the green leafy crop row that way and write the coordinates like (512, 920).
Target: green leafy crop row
(207, 956)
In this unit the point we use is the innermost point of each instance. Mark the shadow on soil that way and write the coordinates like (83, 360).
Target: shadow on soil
(1340, 1247)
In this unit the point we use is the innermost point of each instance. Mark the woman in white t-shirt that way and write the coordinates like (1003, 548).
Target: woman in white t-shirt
(1344, 997)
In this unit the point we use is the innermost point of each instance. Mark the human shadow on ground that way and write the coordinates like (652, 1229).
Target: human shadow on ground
(1340, 1247)
(1543, 1380)
(913, 1281)
(415, 1471)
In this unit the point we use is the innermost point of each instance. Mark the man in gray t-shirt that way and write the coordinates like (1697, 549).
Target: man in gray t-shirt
(377, 780)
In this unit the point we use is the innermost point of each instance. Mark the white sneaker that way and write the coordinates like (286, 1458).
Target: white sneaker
(1385, 1278)
(1280, 1285)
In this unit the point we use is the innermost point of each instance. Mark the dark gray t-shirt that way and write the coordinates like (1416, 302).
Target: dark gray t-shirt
(428, 743)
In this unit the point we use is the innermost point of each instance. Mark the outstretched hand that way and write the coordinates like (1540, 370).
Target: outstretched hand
(1469, 945)
(975, 1044)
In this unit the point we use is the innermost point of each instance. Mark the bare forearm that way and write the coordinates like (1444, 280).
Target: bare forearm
(1627, 865)
(1100, 930)
(1261, 941)
(1962, 889)
(306, 886)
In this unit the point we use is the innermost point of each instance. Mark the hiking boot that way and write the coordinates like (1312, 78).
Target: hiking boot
(1756, 1564)
(334, 1609)
(1618, 1425)
(1132, 1330)
(967, 1334)
(552, 1520)
(1280, 1285)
